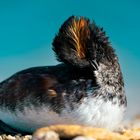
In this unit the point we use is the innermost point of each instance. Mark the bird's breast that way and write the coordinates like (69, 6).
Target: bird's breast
(92, 112)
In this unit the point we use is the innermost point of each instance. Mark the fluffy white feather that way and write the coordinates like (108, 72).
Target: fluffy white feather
(91, 112)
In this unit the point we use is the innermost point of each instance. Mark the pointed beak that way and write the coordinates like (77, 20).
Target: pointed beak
(94, 64)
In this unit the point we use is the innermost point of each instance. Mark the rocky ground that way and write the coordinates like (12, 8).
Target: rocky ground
(130, 131)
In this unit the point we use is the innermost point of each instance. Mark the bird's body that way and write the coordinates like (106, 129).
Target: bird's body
(75, 92)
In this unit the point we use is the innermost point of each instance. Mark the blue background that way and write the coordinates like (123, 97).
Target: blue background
(28, 27)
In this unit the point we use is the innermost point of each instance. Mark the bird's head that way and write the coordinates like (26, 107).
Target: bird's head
(82, 43)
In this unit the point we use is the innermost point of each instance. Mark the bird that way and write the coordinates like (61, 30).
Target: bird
(86, 87)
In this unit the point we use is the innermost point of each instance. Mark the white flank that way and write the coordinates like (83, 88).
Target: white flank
(91, 112)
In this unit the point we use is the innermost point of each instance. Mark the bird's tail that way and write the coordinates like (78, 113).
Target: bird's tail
(77, 40)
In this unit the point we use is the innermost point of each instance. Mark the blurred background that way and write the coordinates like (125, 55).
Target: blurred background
(28, 27)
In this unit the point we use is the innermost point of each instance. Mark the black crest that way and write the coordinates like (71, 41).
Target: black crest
(80, 42)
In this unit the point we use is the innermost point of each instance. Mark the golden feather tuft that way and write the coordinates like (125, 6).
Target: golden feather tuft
(79, 32)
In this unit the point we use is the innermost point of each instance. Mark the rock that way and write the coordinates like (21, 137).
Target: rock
(0, 137)
(132, 134)
(71, 131)
(16, 137)
(27, 137)
(9, 137)
(49, 135)
(83, 138)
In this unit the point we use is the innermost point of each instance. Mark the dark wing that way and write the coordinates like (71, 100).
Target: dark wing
(44, 85)
(29, 87)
